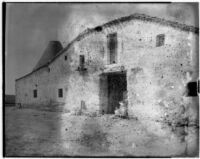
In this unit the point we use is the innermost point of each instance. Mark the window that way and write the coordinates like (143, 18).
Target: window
(192, 89)
(81, 60)
(83, 106)
(81, 66)
(66, 58)
(160, 40)
(35, 93)
(60, 93)
(112, 48)
(98, 29)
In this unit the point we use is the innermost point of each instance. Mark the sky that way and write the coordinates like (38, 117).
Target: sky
(30, 26)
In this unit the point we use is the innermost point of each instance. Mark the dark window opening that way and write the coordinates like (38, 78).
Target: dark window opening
(81, 66)
(60, 93)
(83, 105)
(192, 89)
(160, 40)
(98, 29)
(112, 48)
(82, 60)
(35, 93)
(66, 58)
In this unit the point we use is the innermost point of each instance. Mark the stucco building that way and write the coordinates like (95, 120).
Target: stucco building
(145, 59)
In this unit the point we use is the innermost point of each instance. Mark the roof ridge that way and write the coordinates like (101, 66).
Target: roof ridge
(140, 16)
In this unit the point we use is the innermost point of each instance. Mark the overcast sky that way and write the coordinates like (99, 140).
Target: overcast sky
(30, 26)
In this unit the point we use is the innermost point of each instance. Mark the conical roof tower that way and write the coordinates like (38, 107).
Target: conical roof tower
(50, 52)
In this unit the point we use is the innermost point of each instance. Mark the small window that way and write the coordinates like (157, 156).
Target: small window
(160, 40)
(98, 29)
(83, 106)
(192, 88)
(82, 60)
(66, 58)
(35, 93)
(112, 48)
(60, 93)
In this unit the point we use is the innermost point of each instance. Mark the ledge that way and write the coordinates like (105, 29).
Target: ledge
(113, 68)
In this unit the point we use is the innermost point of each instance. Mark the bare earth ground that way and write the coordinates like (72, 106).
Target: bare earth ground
(30, 132)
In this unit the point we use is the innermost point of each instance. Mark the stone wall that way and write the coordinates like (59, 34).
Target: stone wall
(156, 76)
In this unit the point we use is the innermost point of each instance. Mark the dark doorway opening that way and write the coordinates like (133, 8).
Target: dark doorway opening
(117, 87)
(113, 89)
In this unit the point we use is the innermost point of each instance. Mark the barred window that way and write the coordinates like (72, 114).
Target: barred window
(81, 60)
(60, 93)
(160, 40)
(35, 93)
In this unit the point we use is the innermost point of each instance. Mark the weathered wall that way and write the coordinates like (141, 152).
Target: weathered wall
(25, 87)
(156, 76)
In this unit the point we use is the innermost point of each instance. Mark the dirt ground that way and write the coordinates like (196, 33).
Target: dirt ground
(31, 132)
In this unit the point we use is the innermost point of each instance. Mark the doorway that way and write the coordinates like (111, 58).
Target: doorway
(113, 89)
